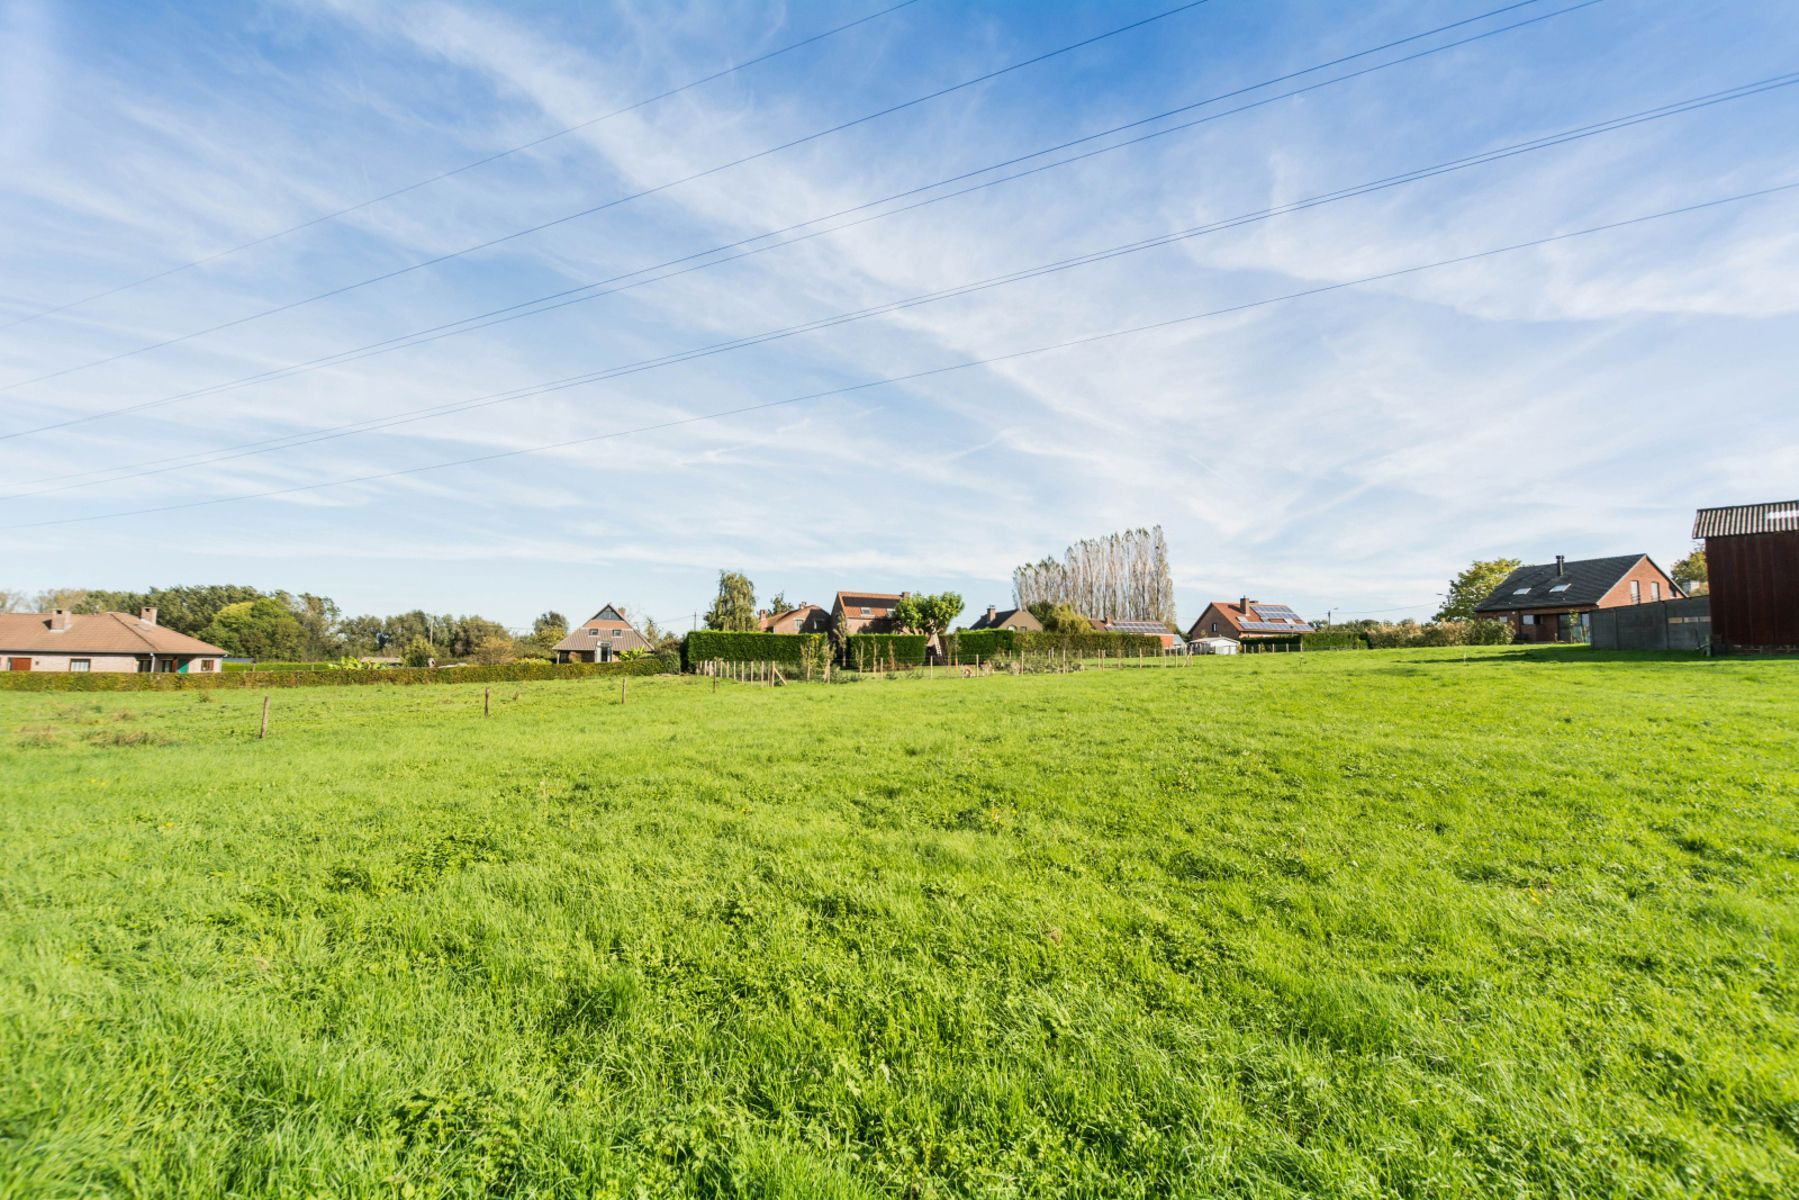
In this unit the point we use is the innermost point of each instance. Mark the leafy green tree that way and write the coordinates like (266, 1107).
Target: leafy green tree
(495, 649)
(1474, 585)
(928, 614)
(262, 629)
(777, 604)
(548, 629)
(319, 619)
(1690, 573)
(418, 653)
(361, 635)
(1059, 618)
(734, 609)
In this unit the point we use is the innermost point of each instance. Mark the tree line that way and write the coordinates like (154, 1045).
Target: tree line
(279, 626)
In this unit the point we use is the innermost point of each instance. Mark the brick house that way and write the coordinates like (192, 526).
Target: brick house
(1247, 621)
(1007, 618)
(109, 641)
(803, 618)
(601, 638)
(865, 612)
(1548, 602)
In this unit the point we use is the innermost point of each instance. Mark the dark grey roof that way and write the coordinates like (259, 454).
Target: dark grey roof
(1779, 516)
(1000, 617)
(1587, 580)
(1155, 628)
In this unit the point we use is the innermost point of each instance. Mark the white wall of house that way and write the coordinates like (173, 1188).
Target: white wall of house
(127, 663)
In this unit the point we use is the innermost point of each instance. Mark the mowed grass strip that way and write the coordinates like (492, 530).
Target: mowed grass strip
(1327, 924)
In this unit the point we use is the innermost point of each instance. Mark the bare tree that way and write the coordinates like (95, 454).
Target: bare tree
(1123, 577)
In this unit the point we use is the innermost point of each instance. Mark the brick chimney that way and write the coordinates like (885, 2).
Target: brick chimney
(992, 612)
(147, 616)
(1244, 605)
(59, 619)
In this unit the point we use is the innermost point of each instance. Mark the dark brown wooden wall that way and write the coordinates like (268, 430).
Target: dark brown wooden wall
(1754, 588)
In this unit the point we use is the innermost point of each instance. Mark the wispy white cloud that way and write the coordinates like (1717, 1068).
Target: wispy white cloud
(1349, 450)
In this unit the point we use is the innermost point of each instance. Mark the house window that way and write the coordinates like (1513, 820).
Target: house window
(594, 632)
(205, 665)
(1560, 587)
(618, 633)
(866, 611)
(1655, 589)
(1523, 591)
(1214, 627)
(81, 664)
(1529, 618)
(1636, 592)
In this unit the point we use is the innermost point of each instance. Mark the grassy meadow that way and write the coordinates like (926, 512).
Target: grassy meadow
(1355, 924)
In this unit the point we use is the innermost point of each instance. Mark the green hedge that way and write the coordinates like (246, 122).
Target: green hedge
(1334, 639)
(1088, 645)
(972, 644)
(879, 651)
(117, 681)
(708, 645)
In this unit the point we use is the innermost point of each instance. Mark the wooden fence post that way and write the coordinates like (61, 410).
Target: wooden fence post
(487, 702)
(624, 690)
(265, 716)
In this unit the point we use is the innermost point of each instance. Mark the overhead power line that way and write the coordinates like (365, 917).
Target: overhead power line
(932, 372)
(494, 157)
(613, 203)
(310, 437)
(749, 246)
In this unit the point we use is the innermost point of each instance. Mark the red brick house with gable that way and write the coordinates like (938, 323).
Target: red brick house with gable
(1548, 602)
(1247, 621)
(804, 618)
(865, 612)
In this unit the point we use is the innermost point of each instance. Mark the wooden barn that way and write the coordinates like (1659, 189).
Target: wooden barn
(1752, 562)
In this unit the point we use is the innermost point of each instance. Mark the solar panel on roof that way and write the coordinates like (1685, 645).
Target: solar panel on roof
(1269, 612)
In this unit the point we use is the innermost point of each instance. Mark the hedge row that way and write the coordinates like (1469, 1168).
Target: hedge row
(972, 644)
(119, 681)
(1334, 639)
(879, 651)
(1087, 645)
(708, 645)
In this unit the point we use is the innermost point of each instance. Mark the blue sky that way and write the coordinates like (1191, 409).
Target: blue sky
(1349, 450)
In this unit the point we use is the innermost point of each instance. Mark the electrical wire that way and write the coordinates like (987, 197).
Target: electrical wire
(310, 437)
(449, 256)
(932, 372)
(589, 291)
(496, 156)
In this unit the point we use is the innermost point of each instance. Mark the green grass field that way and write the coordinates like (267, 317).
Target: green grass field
(1326, 924)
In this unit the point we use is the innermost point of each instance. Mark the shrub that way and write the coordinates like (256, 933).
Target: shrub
(1334, 639)
(1087, 645)
(878, 650)
(708, 645)
(971, 644)
(110, 681)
